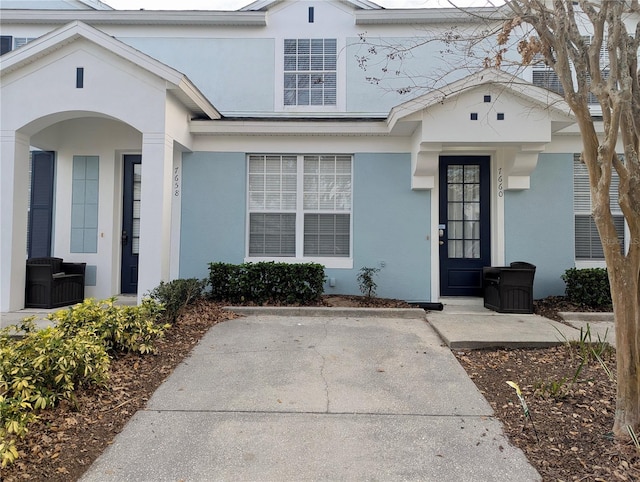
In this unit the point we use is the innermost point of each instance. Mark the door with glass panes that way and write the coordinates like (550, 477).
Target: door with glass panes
(464, 226)
(132, 189)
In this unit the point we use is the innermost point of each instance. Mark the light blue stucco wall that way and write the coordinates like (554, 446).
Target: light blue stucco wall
(225, 70)
(539, 223)
(390, 224)
(390, 221)
(213, 211)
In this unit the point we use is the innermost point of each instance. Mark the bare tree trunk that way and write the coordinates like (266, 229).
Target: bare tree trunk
(626, 304)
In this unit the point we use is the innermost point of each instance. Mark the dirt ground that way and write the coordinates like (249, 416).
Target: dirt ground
(567, 439)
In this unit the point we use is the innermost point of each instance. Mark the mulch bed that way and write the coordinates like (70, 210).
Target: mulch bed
(64, 442)
(572, 420)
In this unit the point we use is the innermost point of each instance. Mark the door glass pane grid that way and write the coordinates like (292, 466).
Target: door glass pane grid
(463, 211)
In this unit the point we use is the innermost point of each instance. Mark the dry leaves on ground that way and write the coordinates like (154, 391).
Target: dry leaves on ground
(572, 426)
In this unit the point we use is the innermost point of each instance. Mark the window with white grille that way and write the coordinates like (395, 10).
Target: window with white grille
(310, 72)
(299, 206)
(587, 240)
(543, 76)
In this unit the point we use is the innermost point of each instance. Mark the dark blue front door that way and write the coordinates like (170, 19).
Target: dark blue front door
(465, 225)
(131, 223)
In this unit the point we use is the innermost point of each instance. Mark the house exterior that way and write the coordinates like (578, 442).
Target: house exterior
(151, 143)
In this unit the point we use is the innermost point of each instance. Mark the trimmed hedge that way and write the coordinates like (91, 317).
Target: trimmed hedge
(266, 282)
(588, 287)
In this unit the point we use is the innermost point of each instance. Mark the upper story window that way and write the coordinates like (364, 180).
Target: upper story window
(546, 77)
(310, 72)
(9, 43)
(587, 240)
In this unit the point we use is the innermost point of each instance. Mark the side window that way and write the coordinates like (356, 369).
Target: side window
(84, 204)
(587, 240)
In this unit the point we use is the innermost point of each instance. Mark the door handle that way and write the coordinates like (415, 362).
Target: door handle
(125, 238)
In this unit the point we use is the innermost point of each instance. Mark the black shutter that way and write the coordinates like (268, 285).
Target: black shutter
(6, 42)
(41, 206)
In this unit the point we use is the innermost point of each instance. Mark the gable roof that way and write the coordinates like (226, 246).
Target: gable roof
(539, 96)
(177, 83)
(267, 4)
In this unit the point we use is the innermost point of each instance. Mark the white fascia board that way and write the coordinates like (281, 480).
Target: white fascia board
(135, 17)
(197, 98)
(289, 128)
(537, 95)
(423, 16)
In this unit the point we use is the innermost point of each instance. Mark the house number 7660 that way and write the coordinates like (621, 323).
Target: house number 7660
(500, 186)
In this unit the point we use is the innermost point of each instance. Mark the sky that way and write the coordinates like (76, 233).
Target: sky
(236, 4)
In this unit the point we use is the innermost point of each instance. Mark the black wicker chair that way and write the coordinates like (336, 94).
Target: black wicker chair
(52, 283)
(509, 289)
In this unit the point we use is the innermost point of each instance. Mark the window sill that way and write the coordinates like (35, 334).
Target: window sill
(338, 263)
(590, 263)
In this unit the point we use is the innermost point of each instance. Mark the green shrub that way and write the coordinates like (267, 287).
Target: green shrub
(177, 294)
(38, 370)
(366, 282)
(44, 366)
(266, 282)
(120, 328)
(588, 287)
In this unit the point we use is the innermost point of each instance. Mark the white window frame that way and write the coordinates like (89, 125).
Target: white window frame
(280, 74)
(345, 262)
(583, 208)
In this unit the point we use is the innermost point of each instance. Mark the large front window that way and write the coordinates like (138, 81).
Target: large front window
(299, 206)
(310, 72)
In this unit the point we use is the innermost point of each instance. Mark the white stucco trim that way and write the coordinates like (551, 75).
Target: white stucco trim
(176, 214)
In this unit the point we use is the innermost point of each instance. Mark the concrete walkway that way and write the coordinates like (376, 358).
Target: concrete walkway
(465, 323)
(302, 398)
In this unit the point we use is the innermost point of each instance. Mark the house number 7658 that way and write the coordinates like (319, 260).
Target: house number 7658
(176, 181)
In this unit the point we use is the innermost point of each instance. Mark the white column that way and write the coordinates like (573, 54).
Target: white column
(14, 179)
(155, 211)
(176, 208)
